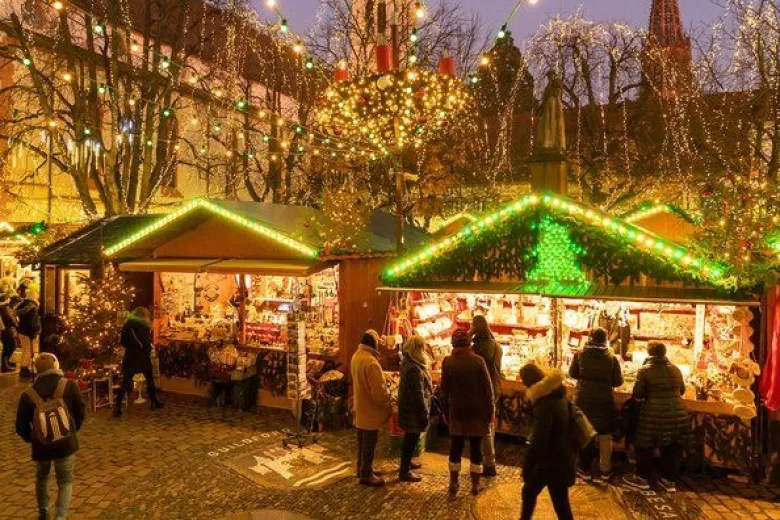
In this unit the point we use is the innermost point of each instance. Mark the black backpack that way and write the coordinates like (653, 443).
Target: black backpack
(29, 319)
(52, 422)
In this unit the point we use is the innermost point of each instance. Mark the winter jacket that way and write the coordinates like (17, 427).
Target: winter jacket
(29, 318)
(45, 385)
(370, 395)
(487, 348)
(8, 314)
(415, 389)
(550, 459)
(466, 393)
(597, 372)
(136, 339)
(664, 419)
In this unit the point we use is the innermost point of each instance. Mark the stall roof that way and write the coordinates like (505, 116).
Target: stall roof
(647, 209)
(585, 292)
(179, 265)
(210, 265)
(301, 229)
(666, 220)
(85, 246)
(545, 237)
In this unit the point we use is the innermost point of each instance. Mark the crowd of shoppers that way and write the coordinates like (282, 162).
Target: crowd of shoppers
(468, 392)
(51, 410)
(20, 324)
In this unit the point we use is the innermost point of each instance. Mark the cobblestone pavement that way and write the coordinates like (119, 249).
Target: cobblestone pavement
(175, 463)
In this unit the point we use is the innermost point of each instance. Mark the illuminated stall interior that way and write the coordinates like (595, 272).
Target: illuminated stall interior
(545, 270)
(224, 277)
(229, 274)
(11, 242)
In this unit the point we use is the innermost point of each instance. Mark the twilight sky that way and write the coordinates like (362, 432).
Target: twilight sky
(301, 14)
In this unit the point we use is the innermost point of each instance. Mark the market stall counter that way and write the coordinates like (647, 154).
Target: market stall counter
(545, 270)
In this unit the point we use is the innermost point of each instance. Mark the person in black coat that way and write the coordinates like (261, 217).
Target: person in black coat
(8, 335)
(487, 348)
(415, 389)
(664, 422)
(136, 339)
(29, 316)
(598, 373)
(550, 459)
(47, 384)
(468, 407)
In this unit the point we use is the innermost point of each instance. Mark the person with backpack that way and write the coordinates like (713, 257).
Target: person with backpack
(486, 347)
(550, 459)
(136, 339)
(29, 327)
(50, 413)
(598, 373)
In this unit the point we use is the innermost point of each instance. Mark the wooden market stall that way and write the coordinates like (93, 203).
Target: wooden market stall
(665, 220)
(224, 278)
(545, 270)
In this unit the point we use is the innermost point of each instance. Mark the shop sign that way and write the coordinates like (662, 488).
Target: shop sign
(658, 506)
(277, 466)
(242, 443)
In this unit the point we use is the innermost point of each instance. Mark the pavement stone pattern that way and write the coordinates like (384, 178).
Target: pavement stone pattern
(169, 464)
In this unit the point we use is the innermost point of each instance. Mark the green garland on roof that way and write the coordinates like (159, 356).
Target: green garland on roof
(503, 245)
(650, 208)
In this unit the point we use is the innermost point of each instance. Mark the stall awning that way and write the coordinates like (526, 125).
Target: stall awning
(587, 291)
(266, 267)
(229, 266)
(173, 265)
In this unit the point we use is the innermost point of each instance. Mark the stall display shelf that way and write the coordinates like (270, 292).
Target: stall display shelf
(520, 326)
(443, 314)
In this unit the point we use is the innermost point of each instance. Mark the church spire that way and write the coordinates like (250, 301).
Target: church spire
(666, 26)
(667, 56)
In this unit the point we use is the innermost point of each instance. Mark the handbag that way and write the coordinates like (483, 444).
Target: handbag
(582, 431)
(629, 415)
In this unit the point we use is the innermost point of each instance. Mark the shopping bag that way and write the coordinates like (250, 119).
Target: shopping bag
(582, 430)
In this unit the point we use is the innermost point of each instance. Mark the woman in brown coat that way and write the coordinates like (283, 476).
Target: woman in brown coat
(467, 402)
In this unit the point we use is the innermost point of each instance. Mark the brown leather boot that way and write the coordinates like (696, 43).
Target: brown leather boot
(476, 478)
(454, 475)
(454, 484)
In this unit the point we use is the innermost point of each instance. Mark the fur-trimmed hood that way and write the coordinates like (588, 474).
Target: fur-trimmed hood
(551, 382)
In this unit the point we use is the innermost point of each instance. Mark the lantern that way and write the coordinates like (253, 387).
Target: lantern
(342, 74)
(384, 57)
(447, 65)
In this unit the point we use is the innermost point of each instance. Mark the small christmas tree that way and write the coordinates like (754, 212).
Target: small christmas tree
(739, 216)
(556, 255)
(93, 324)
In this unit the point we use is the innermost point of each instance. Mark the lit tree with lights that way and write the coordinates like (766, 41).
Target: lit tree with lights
(740, 213)
(620, 146)
(131, 100)
(94, 322)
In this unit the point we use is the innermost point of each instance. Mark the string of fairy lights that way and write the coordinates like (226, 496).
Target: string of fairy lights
(330, 145)
(168, 63)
